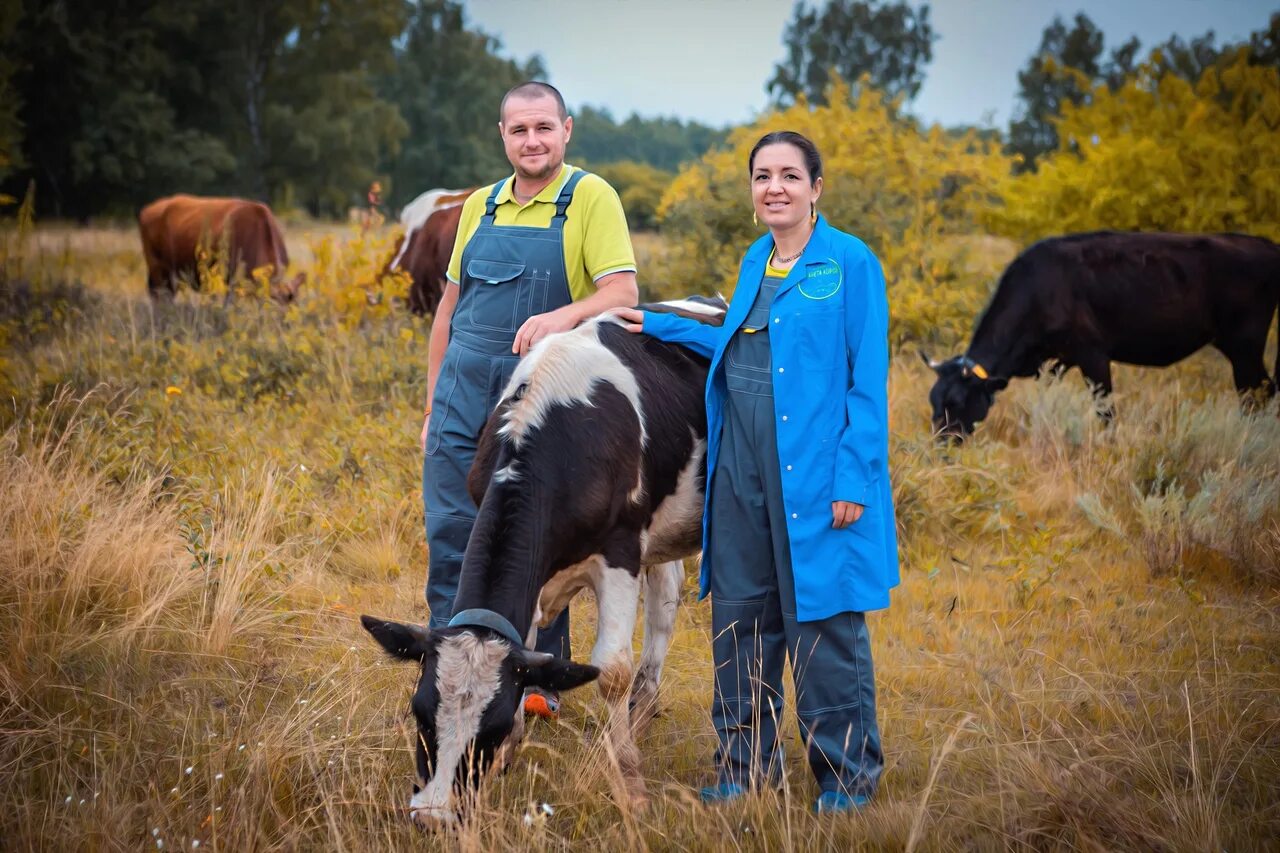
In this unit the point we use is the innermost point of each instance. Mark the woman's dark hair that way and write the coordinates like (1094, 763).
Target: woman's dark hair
(812, 159)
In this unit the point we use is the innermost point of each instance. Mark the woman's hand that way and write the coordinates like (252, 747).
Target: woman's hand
(422, 439)
(632, 318)
(844, 513)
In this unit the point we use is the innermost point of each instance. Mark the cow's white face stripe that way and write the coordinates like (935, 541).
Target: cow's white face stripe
(467, 673)
(562, 370)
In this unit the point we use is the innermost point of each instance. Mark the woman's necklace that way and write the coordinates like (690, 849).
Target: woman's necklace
(788, 259)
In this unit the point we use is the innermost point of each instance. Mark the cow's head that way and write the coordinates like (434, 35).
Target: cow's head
(961, 397)
(465, 705)
(286, 290)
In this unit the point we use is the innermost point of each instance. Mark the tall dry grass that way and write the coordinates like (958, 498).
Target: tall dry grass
(1083, 653)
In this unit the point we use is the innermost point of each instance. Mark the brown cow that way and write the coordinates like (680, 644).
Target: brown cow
(424, 251)
(173, 229)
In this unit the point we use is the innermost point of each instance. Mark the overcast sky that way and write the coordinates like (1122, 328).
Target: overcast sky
(709, 59)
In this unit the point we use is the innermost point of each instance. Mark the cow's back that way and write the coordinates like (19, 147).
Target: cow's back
(174, 228)
(1146, 298)
(426, 258)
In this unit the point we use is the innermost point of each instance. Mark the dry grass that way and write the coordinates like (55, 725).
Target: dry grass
(1077, 658)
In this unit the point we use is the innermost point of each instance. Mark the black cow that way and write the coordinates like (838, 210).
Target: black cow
(1085, 300)
(589, 473)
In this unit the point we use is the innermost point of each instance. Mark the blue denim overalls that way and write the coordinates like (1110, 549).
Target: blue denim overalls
(509, 273)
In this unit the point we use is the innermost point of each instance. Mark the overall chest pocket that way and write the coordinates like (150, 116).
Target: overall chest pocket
(494, 290)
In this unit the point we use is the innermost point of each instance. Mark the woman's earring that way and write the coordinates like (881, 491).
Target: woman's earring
(754, 219)
(813, 214)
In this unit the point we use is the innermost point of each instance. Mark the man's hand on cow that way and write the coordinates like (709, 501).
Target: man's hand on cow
(539, 326)
(844, 513)
(422, 439)
(632, 318)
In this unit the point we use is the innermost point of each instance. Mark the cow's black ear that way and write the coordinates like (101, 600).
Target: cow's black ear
(997, 383)
(538, 669)
(407, 642)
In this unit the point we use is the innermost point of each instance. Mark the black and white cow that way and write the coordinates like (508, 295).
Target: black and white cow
(589, 473)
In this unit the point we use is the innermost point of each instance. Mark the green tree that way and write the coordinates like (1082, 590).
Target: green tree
(663, 143)
(1044, 90)
(640, 186)
(296, 96)
(447, 82)
(96, 85)
(889, 42)
(10, 101)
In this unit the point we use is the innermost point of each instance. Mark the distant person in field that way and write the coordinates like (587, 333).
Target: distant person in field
(536, 253)
(799, 536)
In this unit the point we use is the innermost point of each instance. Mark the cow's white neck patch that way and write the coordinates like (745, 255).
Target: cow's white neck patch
(562, 370)
(467, 675)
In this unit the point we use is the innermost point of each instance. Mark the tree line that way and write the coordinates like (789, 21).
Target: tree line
(301, 103)
(304, 103)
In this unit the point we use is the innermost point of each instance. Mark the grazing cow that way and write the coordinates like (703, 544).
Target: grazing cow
(589, 473)
(430, 227)
(175, 229)
(1085, 300)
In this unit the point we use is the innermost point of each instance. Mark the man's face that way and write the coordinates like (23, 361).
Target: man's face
(534, 136)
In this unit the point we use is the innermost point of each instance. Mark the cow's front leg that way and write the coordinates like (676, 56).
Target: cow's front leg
(617, 594)
(661, 597)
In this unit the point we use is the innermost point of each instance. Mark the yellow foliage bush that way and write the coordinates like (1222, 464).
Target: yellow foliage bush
(905, 191)
(640, 186)
(1159, 153)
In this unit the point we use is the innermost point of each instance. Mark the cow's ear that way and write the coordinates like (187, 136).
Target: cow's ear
(997, 383)
(538, 669)
(407, 642)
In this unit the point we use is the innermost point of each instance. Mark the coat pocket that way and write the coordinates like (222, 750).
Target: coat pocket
(819, 338)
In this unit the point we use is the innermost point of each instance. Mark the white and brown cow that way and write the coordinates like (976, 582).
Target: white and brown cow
(430, 227)
(589, 473)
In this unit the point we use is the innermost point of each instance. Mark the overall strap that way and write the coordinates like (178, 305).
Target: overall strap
(566, 196)
(478, 617)
(491, 203)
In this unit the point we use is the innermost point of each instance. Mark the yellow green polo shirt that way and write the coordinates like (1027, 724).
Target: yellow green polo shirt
(596, 240)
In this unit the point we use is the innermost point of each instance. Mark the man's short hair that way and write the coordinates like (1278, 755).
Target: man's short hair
(533, 89)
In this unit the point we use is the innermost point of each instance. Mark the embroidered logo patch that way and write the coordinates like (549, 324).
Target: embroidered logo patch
(822, 282)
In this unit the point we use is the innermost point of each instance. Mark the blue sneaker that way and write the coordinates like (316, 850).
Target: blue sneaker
(722, 793)
(838, 802)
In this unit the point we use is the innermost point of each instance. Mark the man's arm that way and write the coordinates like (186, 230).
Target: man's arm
(616, 290)
(439, 340)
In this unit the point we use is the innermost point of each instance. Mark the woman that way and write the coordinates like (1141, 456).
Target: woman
(798, 531)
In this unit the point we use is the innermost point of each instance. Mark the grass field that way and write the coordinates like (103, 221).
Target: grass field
(197, 502)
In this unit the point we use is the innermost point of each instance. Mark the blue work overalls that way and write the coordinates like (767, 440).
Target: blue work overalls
(753, 604)
(509, 273)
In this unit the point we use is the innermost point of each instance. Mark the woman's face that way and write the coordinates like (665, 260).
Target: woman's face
(780, 187)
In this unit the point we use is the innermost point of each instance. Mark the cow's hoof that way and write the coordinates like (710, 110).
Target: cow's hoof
(433, 820)
(643, 706)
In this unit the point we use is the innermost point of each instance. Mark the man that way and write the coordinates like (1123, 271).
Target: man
(536, 254)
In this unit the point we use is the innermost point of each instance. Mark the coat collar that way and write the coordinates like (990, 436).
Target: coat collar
(818, 251)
